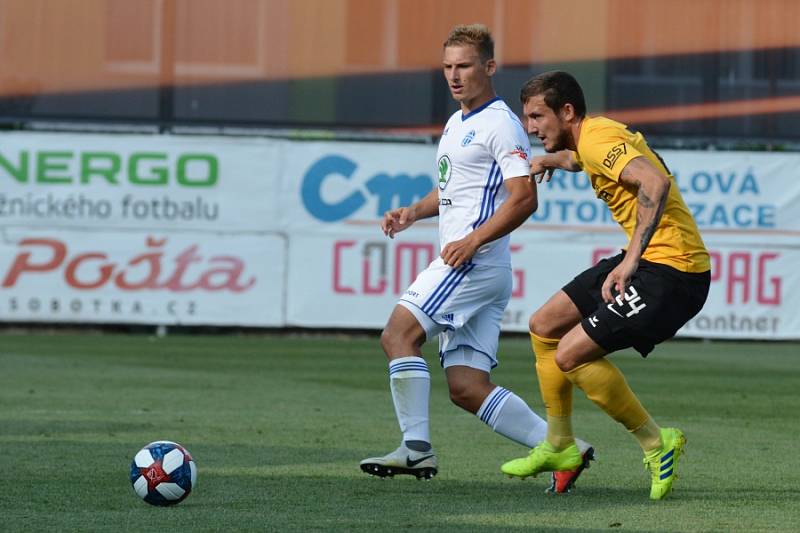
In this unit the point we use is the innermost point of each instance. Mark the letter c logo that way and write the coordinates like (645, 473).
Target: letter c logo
(312, 188)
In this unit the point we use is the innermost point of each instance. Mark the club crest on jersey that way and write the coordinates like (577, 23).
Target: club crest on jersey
(468, 138)
(445, 170)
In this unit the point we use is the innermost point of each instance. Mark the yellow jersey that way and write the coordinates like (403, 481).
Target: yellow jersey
(604, 148)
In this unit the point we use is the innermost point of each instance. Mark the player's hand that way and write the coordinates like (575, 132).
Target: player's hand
(458, 252)
(618, 279)
(539, 171)
(397, 220)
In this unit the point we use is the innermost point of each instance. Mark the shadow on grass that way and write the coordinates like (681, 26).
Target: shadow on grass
(363, 503)
(304, 488)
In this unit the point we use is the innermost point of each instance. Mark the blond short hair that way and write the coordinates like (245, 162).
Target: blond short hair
(477, 35)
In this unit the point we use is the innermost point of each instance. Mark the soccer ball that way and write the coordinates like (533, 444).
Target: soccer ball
(163, 473)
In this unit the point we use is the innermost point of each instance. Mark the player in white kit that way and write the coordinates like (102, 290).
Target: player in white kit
(483, 193)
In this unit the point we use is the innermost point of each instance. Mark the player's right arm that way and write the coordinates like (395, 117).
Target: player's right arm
(542, 166)
(652, 187)
(396, 220)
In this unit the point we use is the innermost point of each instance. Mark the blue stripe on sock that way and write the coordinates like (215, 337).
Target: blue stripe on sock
(493, 403)
(488, 411)
(492, 408)
(421, 368)
(420, 361)
(411, 365)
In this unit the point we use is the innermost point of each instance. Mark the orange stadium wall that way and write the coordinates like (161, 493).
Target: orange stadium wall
(73, 47)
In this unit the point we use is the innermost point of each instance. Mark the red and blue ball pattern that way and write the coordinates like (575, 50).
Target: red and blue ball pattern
(163, 473)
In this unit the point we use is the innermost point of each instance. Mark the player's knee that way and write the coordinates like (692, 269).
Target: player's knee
(564, 362)
(539, 325)
(532, 323)
(399, 344)
(461, 394)
(388, 341)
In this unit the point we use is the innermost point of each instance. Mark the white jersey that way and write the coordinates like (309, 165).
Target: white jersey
(477, 152)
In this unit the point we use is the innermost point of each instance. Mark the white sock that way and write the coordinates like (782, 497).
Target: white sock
(507, 414)
(410, 382)
(582, 445)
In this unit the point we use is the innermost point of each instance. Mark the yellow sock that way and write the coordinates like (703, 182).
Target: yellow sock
(559, 431)
(648, 435)
(605, 385)
(556, 392)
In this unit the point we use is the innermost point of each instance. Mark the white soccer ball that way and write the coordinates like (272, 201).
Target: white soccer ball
(163, 473)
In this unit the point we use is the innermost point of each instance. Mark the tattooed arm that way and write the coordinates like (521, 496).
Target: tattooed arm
(652, 188)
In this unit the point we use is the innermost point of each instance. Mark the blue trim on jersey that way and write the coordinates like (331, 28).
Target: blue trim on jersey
(479, 109)
(493, 194)
(489, 194)
(444, 290)
(485, 194)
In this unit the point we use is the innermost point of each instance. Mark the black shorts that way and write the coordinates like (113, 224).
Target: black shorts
(657, 303)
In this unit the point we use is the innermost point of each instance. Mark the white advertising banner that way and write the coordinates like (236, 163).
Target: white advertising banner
(332, 186)
(141, 278)
(159, 182)
(344, 273)
(169, 229)
(753, 290)
(353, 281)
(730, 194)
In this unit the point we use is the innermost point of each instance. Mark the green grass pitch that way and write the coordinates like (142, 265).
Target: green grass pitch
(277, 426)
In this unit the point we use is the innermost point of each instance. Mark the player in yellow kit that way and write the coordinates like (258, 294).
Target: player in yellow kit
(637, 299)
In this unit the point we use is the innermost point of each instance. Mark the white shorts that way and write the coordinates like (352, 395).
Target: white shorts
(464, 307)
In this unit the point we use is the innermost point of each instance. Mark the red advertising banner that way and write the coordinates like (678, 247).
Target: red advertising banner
(142, 277)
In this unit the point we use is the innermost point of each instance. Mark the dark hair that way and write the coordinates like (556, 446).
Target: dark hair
(476, 35)
(558, 88)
